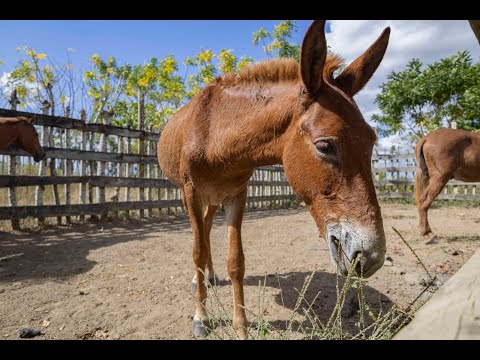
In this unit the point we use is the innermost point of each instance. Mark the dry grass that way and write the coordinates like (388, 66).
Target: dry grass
(305, 323)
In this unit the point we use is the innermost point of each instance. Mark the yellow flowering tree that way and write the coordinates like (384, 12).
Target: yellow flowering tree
(206, 71)
(160, 86)
(34, 81)
(280, 45)
(105, 82)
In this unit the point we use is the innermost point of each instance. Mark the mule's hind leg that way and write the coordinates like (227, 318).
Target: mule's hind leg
(207, 223)
(234, 208)
(200, 259)
(434, 188)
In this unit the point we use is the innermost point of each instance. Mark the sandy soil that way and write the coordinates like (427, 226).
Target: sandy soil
(132, 280)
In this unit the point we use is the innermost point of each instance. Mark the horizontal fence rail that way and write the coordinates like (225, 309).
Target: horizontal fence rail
(101, 170)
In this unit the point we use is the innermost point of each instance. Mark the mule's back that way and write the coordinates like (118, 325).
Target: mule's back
(453, 152)
(230, 121)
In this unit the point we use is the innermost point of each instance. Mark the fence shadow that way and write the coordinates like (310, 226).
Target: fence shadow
(62, 251)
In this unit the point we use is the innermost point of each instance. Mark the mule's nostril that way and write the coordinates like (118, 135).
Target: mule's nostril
(358, 268)
(334, 240)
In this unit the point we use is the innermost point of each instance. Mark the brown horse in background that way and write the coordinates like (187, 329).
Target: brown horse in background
(279, 112)
(19, 131)
(442, 155)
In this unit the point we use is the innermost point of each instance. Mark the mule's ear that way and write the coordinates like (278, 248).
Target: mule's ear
(313, 55)
(357, 74)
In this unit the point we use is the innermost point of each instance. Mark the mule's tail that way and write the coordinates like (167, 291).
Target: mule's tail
(421, 173)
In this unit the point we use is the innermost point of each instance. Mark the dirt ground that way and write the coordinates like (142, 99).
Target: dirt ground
(133, 280)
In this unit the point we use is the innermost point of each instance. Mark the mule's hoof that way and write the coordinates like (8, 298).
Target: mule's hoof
(201, 328)
(432, 240)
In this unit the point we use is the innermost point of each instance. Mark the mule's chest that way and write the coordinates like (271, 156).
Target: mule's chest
(216, 186)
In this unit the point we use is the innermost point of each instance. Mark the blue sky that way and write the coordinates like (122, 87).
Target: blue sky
(136, 41)
(132, 41)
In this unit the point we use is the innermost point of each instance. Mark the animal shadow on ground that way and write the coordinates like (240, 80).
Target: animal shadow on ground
(322, 295)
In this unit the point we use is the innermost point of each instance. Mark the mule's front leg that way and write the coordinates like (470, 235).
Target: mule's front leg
(194, 204)
(234, 208)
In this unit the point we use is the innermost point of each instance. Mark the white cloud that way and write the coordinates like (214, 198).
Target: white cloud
(427, 40)
(7, 84)
(388, 142)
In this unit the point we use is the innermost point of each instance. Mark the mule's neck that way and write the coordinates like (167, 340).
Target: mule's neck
(262, 122)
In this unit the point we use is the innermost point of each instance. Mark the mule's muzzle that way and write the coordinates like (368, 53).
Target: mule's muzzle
(39, 156)
(346, 245)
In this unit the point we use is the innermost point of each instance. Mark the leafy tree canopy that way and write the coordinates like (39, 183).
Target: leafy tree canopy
(421, 99)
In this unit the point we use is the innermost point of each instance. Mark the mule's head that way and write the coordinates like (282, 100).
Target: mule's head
(28, 140)
(327, 156)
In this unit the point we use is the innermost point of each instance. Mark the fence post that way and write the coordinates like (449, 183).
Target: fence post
(40, 189)
(67, 165)
(141, 166)
(128, 173)
(149, 173)
(93, 169)
(51, 143)
(12, 193)
(120, 172)
(107, 119)
(83, 164)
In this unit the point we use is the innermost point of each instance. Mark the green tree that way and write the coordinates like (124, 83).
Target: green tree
(421, 99)
(162, 88)
(36, 82)
(281, 44)
(105, 82)
(206, 71)
(244, 61)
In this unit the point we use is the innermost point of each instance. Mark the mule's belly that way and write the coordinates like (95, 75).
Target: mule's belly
(469, 170)
(216, 187)
(467, 174)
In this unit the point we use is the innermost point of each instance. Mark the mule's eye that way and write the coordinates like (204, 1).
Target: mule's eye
(325, 147)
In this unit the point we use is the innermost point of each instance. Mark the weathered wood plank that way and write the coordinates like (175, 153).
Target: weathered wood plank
(453, 312)
(70, 123)
(392, 156)
(393, 182)
(22, 212)
(271, 168)
(271, 198)
(72, 154)
(388, 169)
(406, 195)
(267, 183)
(105, 181)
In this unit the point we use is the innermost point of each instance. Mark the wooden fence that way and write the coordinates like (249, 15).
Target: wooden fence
(100, 169)
(97, 169)
(394, 178)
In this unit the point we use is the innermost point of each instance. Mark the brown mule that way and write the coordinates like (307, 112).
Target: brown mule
(19, 131)
(279, 112)
(442, 155)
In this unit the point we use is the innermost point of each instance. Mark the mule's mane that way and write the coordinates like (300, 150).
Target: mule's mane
(13, 120)
(278, 70)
